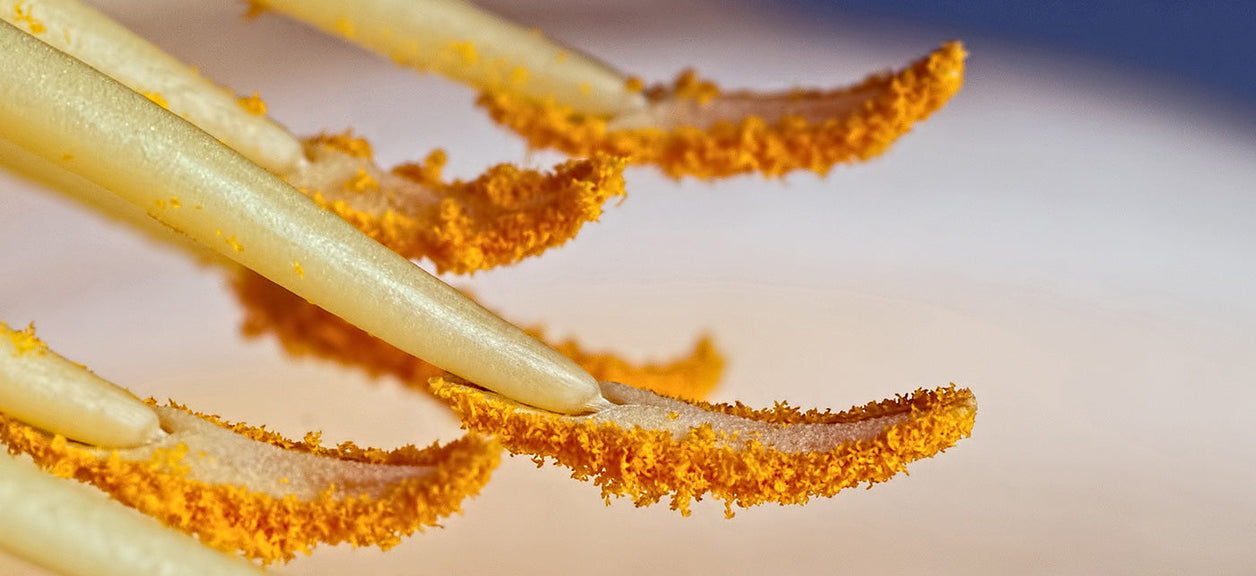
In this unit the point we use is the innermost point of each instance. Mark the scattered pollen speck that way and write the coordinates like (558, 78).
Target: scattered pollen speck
(345, 28)
(157, 99)
(519, 75)
(67, 157)
(361, 183)
(36, 27)
(467, 52)
(24, 341)
(255, 9)
(345, 142)
(252, 104)
(296, 267)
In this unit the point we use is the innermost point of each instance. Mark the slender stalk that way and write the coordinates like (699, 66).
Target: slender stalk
(92, 37)
(71, 529)
(41, 388)
(459, 40)
(54, 178)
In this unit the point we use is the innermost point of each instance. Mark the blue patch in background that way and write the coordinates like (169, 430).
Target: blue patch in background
(1209, 44)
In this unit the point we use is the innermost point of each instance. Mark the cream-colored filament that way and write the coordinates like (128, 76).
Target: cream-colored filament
(88, 35)
(72, 529)
(39, 387)
(459, 40)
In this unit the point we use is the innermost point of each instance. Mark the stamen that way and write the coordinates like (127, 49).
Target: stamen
(693, 129)
(245, 489)
(505, 215)
(91, 37)
(69, 529)
(459, 40)
(40, 386)
(649, 446)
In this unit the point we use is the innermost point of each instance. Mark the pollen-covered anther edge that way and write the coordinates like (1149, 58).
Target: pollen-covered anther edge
(865, 120)
(503, 216)
(691, 377)
(307, 330)
(646, 464)
(258, 525)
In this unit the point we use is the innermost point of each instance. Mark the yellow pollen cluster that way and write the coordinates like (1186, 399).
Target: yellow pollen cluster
(254, 9)
(647, 464)
(260, 526)
(24, 341)
(361, 183)
(158, 99)
(689, 86)
(466, 51)
(252, 104)
(20, 15)
(231, 241)
(691, 378)
(428, 172)
(305, 329)
(868, 118)
(503, 216)
(346, 29)
(345, 142)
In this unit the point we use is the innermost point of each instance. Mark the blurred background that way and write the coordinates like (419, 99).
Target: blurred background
(1201, 46)
(1072, 237)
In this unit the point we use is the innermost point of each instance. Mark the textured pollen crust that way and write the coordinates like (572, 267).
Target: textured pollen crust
(201, 481)
(691, 377)
(24, 341)
(505, 215)
(774, 136)
(305, 329)
(655, 447)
